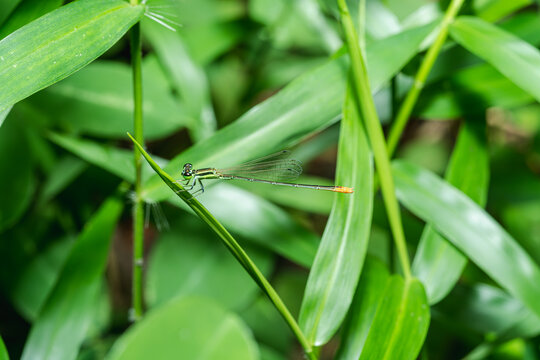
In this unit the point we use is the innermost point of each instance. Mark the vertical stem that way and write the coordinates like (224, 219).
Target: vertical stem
(420, 78)
(376, 136)
(138, 216)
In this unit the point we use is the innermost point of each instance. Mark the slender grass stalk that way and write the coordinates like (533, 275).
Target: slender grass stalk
(421, 76)
(376, 137)
(138, 208)
(234, 248)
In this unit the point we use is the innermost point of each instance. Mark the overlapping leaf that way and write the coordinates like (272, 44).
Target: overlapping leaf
(34, 56)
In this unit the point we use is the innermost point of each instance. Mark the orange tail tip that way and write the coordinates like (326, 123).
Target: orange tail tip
(344, 189)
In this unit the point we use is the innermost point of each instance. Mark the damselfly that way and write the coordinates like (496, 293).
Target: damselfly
(275, 169)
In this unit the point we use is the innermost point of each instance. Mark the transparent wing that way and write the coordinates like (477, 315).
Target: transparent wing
(275, 167)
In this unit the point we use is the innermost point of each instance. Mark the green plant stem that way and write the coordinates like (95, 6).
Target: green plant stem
(138, 209)
(234, 248)
(376, 137)
(421, 76)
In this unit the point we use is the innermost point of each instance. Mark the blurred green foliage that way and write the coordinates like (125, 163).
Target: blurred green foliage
(235, 80)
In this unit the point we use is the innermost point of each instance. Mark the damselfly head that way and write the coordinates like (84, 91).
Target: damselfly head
(187, 171)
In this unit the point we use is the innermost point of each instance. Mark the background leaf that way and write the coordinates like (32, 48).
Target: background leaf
(186, 262)
(66, 316)
(470, 229)
(26, 11)
(102, 92)
(438, 264)
(21, 184)
(308, 104)
(369, 293)
(512, 56)
(340, 257)
(182, 328)
(401, 322)
(187, 77)
(33, 57)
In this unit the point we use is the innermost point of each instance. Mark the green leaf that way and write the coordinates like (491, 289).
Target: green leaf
(469, 91)
(438, 264)
(39, 277)
(65, 170)
(187, 328)
(186, 261)
(521, 220)
(66, 316)
(60, 43)
(232, 245)
(18, 177)
(26, 11)
(368, 295)
(513, 57)
(187, 77)
(102, 91)
(471, 230)
(488, 310)
(263, 319)
(3, 351)
(6, 7)
(308, 104)
(493, 10)
(401, 321)
(337, 266)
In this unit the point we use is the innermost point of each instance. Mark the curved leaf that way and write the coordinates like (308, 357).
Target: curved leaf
(336, 269)
(66, 316)
(438, 264)
(401, 321)
(60, 43)
(187, 328)
(470, 229)
(513, 57)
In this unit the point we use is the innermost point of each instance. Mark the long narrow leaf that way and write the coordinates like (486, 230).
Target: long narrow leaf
(368, 295)
(232, 245)
(401, 322)
(308, 104)
(66, 316)
(470, 229)
(60, 43)
(438, 264)
(513, 57)
(336, 269)
(182, 329)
